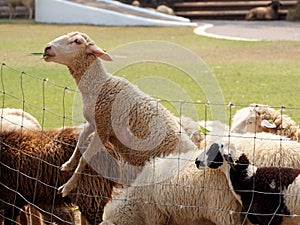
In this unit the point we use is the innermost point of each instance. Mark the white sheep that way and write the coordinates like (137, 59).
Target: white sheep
(14, 119)
(138, 126)
(269, 195)
(269, 12)
(165, 9)
(188, 196)
(192, 128)
(261, 118)
(136, 3)
(12, 4)
(185, 198)
(197, 130)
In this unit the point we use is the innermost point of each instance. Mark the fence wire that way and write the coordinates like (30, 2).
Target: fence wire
(30, 162)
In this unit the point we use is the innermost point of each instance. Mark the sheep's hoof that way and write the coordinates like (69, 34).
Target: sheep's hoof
(63, 190)
(66, 167)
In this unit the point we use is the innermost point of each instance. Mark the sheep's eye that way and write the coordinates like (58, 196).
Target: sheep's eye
(248, 122)
(77, 41)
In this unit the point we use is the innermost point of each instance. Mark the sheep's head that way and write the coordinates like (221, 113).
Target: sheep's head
(252, 119)
(275, 4)
(67, 48)
(222, 156)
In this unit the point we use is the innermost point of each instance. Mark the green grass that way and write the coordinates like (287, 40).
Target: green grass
(247, 72)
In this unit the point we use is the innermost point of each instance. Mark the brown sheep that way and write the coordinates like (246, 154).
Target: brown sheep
(16, 119)
(12, 4)
(269, 12)
(30, 162)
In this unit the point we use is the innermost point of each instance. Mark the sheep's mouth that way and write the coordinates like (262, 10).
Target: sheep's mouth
(46, 56)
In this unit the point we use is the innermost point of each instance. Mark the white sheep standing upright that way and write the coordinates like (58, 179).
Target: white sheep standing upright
(261, 118)
(138, 126)
(190, 197)
(269, 195)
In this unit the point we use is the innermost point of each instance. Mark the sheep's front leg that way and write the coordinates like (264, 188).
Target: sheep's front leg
(91, 150)
(81, 144)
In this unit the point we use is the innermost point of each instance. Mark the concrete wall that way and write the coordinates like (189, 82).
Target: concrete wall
(65, 12)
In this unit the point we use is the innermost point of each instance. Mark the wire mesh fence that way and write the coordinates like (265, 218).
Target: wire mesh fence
(32, 155)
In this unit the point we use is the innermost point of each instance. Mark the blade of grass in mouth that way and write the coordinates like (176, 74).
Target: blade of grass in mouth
(44, 56)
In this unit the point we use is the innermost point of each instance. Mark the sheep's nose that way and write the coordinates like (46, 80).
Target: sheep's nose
(199, 164)
(48, 47)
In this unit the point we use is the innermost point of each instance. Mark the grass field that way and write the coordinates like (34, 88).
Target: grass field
(247, 72)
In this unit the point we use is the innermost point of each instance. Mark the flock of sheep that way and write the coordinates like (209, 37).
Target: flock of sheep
(133, 162)
(269, 12)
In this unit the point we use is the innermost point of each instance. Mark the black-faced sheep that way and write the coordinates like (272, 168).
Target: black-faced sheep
(269, 195)
(138, 126)
(262, 118)
(269, 12)
(185, 197)
(30, 162)
(12, 4)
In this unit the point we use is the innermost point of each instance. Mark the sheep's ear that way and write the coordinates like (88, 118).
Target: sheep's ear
(94, 49)
(214, 156)
(256, 112)
(229, 159)
(201, 160)
(267, 124)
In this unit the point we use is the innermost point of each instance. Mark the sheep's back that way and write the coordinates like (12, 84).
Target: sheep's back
(30, 163)
(136, 124)
(268, 150)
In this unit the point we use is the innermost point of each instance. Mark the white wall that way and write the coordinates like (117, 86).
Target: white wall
(65, 12)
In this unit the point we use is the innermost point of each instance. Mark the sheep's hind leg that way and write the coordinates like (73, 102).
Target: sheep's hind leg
(80, 147)
(91, 150)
